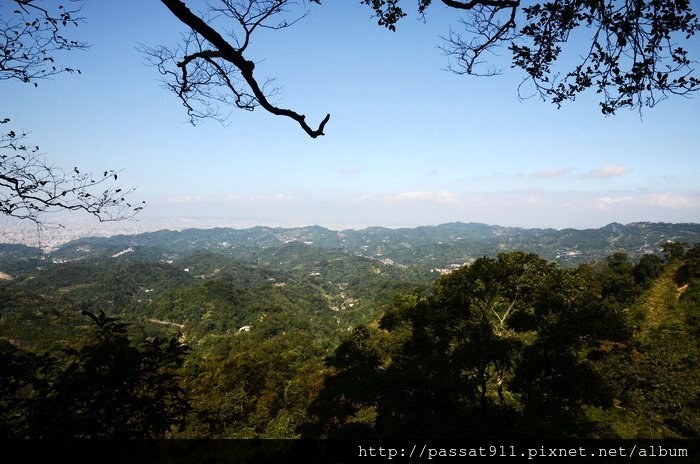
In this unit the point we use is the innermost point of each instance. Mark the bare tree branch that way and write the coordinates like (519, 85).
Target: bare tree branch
(31, 35)
(29, 187)
(207, 69)
(487, 32)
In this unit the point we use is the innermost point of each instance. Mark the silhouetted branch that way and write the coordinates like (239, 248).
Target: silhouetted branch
(31, 34)
(635, 59)
(473, 3)
(208, 69)
(29, 187)
(486, 31)
(30, 37)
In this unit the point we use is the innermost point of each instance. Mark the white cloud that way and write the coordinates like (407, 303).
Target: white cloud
(552, 173)
(280, 197)
(435, 197)
(351, 172)
(186, 199)
(274, 198)
(661, 200)
(192, 199)
(361, 198)
(609, 202)
(606, 172)
(672, 201)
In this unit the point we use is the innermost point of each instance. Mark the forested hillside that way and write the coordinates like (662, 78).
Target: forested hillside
(305, 333)
(426, 248)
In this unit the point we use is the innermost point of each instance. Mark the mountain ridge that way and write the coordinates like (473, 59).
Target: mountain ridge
(436, 248)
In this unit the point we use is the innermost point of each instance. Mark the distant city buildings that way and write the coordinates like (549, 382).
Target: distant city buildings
(50, 238)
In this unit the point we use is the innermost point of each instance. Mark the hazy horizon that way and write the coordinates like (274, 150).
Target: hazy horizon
(179, 224)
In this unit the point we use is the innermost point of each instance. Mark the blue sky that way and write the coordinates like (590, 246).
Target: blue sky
(407, 144)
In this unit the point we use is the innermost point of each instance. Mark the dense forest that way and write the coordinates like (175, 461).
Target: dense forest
(290, 339)
(459, 330)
